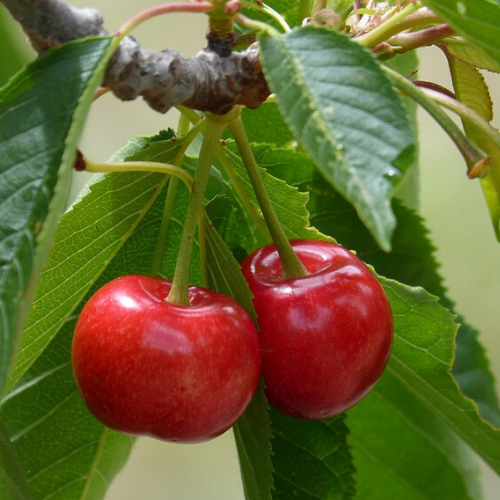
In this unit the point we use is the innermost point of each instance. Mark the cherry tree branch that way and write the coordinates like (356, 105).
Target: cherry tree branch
(207, 82)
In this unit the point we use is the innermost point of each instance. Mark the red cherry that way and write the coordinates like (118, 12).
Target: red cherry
(326, 337)
(147, 367)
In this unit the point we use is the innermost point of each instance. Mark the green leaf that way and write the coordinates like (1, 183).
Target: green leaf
(88, 237)
(311, 459)
(252, 434)
(402, 449)
(42, 111)
(345, 114)
(422, 361)
(476, 20)
(65, 452)
(472, 90)
(462, 50)
(472, 372)
(13, 483)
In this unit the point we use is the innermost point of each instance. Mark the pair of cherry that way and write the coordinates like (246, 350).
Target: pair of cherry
(145, 366)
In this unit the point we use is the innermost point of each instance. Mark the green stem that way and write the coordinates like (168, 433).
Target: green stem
(468, 116)
(233, 177)
(141, 166)
(471, 153)
(387, 28)
(190, 114)
(253, 24)
(292, 266)
(189, 135)
(179, 293)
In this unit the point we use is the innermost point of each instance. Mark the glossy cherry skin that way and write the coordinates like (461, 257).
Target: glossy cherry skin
(326, 337)
(147, 367)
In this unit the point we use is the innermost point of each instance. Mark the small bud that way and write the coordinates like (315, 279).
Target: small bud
(80, 163)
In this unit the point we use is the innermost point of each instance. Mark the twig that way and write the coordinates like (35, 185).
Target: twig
(206, 82)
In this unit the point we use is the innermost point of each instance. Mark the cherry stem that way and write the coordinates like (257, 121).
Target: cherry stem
(292, 266)
(168, 208)
(253, 24)
(233, 177)
(471, 153)
(179, 293)
(388, 28)
(167, 8)
(141, 166)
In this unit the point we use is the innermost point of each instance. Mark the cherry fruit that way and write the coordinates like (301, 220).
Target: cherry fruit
(145, 366)
(325, 337)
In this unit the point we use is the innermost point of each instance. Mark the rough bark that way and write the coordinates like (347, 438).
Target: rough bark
(207, 82)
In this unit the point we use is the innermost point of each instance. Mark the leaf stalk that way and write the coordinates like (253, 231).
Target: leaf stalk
(470, 152)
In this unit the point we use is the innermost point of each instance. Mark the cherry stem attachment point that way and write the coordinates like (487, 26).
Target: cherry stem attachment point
(215, 125)
(292, 265)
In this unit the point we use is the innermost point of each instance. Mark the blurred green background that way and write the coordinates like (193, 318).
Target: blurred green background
(453, 206)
